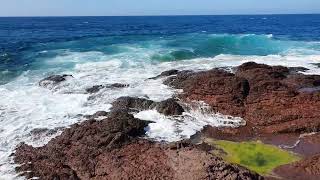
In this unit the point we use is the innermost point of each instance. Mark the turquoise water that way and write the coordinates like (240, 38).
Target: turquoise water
(153, 49)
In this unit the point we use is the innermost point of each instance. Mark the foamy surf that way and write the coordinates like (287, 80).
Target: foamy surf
(176, 128)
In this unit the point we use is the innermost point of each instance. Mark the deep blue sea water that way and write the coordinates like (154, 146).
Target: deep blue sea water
(129, 50)
(21, 39)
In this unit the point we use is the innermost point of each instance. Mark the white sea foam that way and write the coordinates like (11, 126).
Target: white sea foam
(24, 106)
(175, 128)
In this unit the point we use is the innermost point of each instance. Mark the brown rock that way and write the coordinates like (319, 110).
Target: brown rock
(223, 91)
(166, 107)
(110, 149)
(74, 154)
(270, 98)
(308, 168)
(279, 104)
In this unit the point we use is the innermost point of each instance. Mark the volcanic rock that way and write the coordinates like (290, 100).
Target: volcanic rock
(53, 80)
(166, 73)
(132, 103)
(269, 98)
(308, 168)
(97, 115)
(75, 153)
(110, 149)
(166, 107)
(222, 90)
(97, 88)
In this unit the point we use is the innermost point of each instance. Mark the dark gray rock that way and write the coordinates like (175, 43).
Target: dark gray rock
(97, 115)
(97, 88)
(53, 80)
(167, 107)
(166, 73)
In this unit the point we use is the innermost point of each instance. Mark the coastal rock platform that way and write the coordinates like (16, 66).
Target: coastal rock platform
(279, 104)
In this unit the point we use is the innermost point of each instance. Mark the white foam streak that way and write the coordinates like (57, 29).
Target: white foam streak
(175, 128)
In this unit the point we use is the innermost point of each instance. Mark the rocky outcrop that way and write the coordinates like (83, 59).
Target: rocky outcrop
(308, 168)
(280, 106)
(166, 107)
(223, 91)
(97, 115)
(111, 149)
(166, 74)
(53, 80)
(271, 99)
(97, 88)
(75, 153)
(132, 103)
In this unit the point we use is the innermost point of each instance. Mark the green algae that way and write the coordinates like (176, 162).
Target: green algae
(256, 156)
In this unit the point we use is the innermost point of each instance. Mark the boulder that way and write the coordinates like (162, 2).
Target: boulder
(222, 90)
(53, 80)
(166, 107)
(166, 73)
(97, 88)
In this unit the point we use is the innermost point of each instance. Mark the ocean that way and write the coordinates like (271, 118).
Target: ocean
(130, 50)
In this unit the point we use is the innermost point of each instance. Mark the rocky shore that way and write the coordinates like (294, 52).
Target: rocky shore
(279, 104)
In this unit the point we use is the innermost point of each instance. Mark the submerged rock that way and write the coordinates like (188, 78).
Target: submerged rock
(53, 80)
(298, 69)
(132, 103)
(97, 88)
(316, 64)
(94, 89)
(39, 132)
(97, 115)
(166, 73)
(166, 107)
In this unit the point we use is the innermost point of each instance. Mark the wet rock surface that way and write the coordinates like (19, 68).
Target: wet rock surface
(74, 154)
(222, 90)
(54, 80)
(269, 98)
(280, 105)
(134, 104)
(166, 73)
(97, 88)
(96, 115)
(308, 168)
(111, 149)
